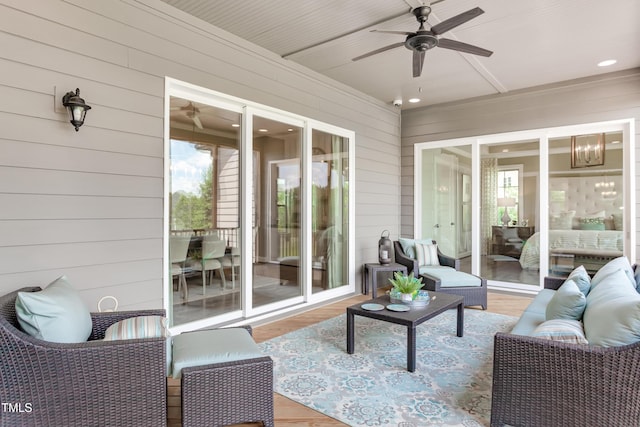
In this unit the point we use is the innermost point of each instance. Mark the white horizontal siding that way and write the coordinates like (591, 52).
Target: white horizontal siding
(89, 204)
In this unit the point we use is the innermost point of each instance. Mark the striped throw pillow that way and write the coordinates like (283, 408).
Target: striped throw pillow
(562, 330)
(137, 327)
(427, 254)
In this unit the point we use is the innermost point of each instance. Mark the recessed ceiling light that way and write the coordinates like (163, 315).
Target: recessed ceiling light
(414, 100)
(235, 125)
(289, 130)
(607, 63)
(263, 130)
(505, 150)
(615, 142)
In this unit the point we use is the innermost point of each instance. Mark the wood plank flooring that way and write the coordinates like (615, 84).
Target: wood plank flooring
(289, 413)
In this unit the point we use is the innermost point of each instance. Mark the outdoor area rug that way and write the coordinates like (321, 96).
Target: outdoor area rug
(372, 387)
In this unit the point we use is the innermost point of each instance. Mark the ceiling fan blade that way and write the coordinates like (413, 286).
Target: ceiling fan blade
(418, 62)
(196, 121)
(382, 49)
(463, 47)
(460, 19)
(404, 33)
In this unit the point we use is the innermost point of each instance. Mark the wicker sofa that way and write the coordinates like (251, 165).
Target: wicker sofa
(94, 383)
(538, 382)
(473, 295)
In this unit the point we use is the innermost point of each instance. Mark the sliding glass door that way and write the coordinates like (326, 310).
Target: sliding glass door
(445, 203)
(258, 210)
(586, 203)
(204, 228)
(509, 206)
(543, 201)
(276, 272)
(329, 211)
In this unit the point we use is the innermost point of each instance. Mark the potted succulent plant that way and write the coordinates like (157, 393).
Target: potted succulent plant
(406, 286)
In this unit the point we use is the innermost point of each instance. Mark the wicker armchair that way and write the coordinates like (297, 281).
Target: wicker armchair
(538, 382)
(95, 383)
(473, 295)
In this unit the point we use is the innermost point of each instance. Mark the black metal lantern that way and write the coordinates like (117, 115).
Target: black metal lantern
(76, 107)
(384, 248)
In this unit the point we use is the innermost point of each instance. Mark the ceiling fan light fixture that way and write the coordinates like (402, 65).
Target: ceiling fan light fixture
(421, 42)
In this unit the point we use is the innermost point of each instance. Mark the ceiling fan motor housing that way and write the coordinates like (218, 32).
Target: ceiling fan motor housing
(421, 42)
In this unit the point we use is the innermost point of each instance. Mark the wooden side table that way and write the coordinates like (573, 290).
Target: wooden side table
(370, 275)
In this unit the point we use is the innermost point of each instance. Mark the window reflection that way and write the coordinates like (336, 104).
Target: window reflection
(329, 210)
(204, 210)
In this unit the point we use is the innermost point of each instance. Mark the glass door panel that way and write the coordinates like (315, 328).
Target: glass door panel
(277, 269)
(509, 205)
(585, 201)
(329, 211)
(446, 201)
(204, 211)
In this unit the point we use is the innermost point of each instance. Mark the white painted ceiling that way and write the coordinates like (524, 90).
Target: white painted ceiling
(534, 42)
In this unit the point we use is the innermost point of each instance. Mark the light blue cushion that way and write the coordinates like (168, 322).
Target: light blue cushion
(528, 322)
(540, 302)
(568, 302)
(206, 347)
(450, 277)
(612, 316)
(613, 265)
(535, 313)
(409, 245)
(580, 276)
(56, 313)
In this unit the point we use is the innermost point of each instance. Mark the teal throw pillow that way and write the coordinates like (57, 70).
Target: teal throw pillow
(612, 316)
(56, 313)
(561, 330)
(580, 276)
(567, 303)
(591, 223)
(620, 263)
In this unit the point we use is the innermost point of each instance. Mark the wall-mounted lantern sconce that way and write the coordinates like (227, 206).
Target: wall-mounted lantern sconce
(76, 108)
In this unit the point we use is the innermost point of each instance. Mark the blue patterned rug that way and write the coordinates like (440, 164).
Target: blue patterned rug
(372, 387)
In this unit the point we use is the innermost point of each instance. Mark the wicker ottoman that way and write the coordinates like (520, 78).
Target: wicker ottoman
(225, 378)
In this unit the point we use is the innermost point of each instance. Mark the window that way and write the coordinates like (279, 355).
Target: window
(509, 193)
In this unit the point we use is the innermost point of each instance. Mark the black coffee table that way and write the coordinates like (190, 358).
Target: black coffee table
(441, 303)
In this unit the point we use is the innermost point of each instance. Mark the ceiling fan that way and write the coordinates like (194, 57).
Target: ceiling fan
(422, 40)
(192, 112)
